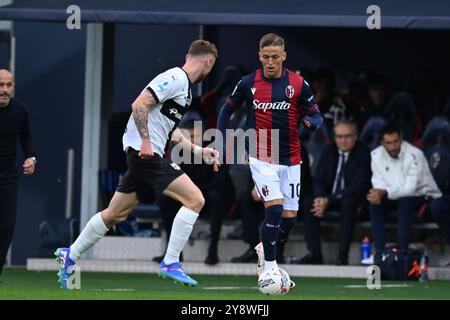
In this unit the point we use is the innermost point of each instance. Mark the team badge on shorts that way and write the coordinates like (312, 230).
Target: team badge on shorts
(175, 166)
(290, 91)
(265, 191)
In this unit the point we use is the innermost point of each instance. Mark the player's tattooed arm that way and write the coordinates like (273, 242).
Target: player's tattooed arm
(140, 115)
(140, 112)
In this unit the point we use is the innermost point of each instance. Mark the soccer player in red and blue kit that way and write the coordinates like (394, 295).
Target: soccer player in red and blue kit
(277, 100)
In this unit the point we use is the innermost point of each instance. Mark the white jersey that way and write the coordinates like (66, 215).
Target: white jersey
(407, 176)
(172, 92)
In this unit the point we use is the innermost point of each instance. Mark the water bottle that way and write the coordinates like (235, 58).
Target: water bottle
(423, 268)
(365, 248)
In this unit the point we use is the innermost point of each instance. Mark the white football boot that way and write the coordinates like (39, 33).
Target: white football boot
(260, 252)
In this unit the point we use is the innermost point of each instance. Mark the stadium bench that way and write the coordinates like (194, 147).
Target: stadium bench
(147, 213)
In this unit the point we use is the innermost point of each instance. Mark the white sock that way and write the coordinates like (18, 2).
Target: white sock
(270, 264)
(181, 230)
(94, 230)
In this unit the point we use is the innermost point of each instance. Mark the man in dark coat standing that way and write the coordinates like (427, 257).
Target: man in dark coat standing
(14, 127)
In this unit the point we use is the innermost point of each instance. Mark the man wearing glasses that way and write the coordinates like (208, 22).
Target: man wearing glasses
(341, 182)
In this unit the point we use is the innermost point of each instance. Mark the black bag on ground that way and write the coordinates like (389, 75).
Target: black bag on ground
(397, 265)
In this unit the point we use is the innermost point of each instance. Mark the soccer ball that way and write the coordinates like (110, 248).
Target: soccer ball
(287, 283)
(270, 282)
(275, 282)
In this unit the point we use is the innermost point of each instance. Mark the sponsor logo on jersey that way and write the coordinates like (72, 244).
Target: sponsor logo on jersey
(283, 105)
(253, 90)
(175, 113)
(173, 110)
(290, 91)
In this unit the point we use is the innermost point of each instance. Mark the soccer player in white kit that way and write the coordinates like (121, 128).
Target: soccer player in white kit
(155, 115)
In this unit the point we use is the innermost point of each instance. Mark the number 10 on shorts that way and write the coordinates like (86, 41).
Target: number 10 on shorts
(295, 190)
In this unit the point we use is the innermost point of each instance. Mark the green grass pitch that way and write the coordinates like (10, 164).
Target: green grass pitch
(18, 283)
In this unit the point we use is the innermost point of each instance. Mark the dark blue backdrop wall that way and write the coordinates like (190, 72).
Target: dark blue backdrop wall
(394, 53)
(141, 52)
(50, 81)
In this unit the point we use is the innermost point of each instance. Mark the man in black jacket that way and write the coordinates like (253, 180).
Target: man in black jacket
(14, 127)
(341, 182)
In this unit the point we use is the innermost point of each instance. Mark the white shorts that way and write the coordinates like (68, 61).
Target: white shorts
(274, 181)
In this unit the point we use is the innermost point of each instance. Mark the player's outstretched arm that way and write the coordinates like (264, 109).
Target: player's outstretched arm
(210, 155)
(140, 115)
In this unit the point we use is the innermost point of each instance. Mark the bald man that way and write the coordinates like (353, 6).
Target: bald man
(14, 126)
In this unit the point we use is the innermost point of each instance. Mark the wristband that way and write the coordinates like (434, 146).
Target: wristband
(197, 150)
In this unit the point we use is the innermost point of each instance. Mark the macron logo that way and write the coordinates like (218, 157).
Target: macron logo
(253, 90)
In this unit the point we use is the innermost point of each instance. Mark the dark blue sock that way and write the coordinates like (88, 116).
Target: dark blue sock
(287, 224)
(270, 230)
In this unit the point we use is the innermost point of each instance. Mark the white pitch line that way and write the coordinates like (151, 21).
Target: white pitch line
(228, 288)
(119, 290)
(382, 286)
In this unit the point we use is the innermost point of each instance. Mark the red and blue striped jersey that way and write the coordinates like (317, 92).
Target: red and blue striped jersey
(275, 104)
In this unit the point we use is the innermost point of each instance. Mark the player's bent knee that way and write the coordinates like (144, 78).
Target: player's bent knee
(114, 217)
(124, 214)
(121, 217)
(199, 203)
(195, 203)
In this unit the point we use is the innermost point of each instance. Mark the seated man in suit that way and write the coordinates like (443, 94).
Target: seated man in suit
(341, 182)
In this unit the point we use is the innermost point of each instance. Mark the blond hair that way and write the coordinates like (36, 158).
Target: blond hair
(201, 47)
